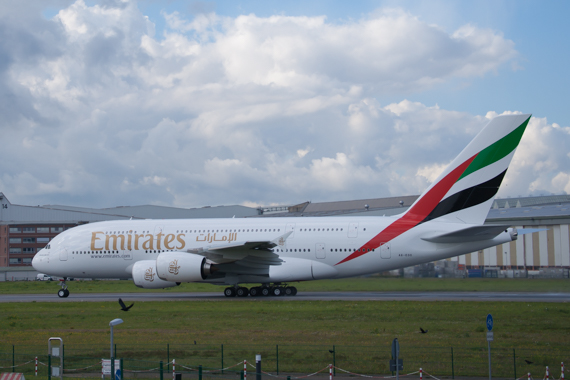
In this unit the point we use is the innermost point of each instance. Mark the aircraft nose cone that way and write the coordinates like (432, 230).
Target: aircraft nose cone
(35, 262)
(39, 262)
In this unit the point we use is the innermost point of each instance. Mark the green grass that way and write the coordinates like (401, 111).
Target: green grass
(305, 332)
(353, 284)
(298, 334)
(303, 322)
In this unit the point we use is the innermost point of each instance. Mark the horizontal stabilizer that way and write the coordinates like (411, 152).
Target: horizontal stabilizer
(524, 231)
(475, 233)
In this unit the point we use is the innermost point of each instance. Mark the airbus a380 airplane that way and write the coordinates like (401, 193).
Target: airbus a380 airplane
(445, 221)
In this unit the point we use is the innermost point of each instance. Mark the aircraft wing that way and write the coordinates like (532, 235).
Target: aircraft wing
(255, 254)
(474, 233)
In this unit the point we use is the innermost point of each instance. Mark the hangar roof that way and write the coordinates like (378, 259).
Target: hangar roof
(531, 201)
(527, 210)
(11, 214)
(553, 209)
(377, 203)
(533, 215)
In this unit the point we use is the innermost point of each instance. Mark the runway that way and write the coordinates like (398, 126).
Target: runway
(301, 296)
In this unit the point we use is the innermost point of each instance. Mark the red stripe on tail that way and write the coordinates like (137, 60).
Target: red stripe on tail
(419, 211)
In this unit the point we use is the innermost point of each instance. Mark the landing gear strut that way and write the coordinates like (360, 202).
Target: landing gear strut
(63, 292)
(265, 290)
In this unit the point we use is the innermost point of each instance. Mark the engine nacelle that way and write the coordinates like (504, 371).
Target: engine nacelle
(144, 276)
(182, 267)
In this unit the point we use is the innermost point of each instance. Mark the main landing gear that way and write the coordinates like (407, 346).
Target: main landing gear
(63, 292)
(260, 291)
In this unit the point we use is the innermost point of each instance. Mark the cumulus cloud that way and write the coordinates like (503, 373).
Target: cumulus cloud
(101, 111)
(541, 164)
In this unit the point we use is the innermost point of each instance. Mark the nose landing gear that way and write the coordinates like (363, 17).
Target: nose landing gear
(63, 292)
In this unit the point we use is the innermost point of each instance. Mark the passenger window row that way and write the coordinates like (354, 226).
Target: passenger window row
(125, 232)
(101, 252)
(313, 229)
(230, 230)
(332, 250)
(352, 250)
(321, 229)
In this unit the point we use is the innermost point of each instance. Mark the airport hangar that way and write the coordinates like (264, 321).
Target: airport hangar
(24, 230)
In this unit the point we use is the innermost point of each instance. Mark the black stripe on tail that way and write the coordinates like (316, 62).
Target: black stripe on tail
(470, 197)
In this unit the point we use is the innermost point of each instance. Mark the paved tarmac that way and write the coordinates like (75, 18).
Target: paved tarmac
(301, 296)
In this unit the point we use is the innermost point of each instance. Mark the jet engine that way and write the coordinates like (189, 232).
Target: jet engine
(182, 267)
(144, 276)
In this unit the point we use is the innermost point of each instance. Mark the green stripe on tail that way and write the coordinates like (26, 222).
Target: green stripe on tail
(496, 151)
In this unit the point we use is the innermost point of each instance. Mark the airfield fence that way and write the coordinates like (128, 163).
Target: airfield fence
(223, 361)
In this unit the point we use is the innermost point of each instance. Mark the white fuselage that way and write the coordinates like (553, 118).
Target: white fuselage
(313, 250)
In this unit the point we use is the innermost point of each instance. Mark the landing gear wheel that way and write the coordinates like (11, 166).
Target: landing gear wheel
(265, 291)
(230, 292)
(63, 292)
(289, 291)
(294, 291)
(277, 291)
(254, 292)
(242, 292)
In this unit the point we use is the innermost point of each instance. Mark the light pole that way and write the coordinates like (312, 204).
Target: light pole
(114, 322)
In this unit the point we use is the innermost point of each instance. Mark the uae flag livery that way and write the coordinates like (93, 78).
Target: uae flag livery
(463, 193)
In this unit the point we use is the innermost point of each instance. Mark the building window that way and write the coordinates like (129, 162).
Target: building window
(30, 240)
(43, 230)
(15, 261)
(27, 260)
(56, 229)
(15, 230)
(43, 240)
(15, 241)
(28, 250)
(15, 250)
(29, 230)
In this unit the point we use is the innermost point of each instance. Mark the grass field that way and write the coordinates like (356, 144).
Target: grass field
(318, 322)
(351, 284)
(360, 331)
(297, 336)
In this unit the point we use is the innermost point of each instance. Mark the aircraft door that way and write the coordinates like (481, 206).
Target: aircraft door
(63, 254)
(158, 230)
(127, 255)
(320, 252)
(385, 251)
(290, 227)
(127, 252)
(353, 230)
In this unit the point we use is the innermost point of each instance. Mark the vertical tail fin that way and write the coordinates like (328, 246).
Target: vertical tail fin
(463, 193)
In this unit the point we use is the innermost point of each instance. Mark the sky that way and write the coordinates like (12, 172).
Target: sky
(196, 103)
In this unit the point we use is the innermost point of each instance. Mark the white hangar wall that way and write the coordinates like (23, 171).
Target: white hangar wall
(549, 248)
